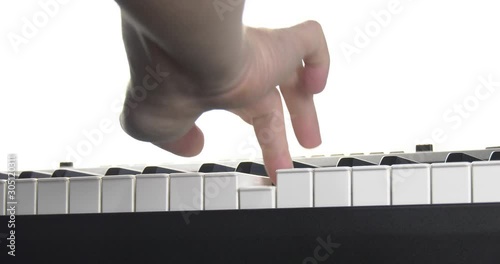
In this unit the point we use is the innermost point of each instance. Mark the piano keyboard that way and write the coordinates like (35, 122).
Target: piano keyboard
(371, 180)
(372, 205)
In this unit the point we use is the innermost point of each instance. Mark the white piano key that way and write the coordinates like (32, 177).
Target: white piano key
(85, 194)
(411, 184)
(53, 195)
(486, 181)
(221, 188)
(263, 197)
(332, 187)
(26, 196)
(451, 183)
(371, 185)
(186, 191)
(151, 192)
(118, 193)
(191, 167)
(295, 188)
(3, 197)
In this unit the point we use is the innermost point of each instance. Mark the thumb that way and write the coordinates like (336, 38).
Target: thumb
(189, 145)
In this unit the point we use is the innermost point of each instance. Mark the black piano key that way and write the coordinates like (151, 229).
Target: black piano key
(260, 169)
(303, 165)
(95, 170)
(215, 167)
(423, 147)
(121, 171)
(332, 161)
(66, 164)
(494, 147)
(353, 162)
(327, 161)
(34, 174)
(495, 155)
(393, 160)
(419, 157)
(460, 157)
(3, 176)
(71, 173)
(160, 169)
(252, 168)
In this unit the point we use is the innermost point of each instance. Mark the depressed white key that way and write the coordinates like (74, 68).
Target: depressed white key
(221, 188)
(85, 194)
(186, 191)
(332, 187)
(151, 192)
(451, 183)
(294, 188)
(26, 196)
(118, 193)
(3, 197)
(486, 181)
(53, 195)
(263, 197)
(411, 184)
(371, 185)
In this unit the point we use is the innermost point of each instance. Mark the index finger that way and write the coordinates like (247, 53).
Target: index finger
(269, 127)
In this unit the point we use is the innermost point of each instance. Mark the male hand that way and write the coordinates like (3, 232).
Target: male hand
(295, 59)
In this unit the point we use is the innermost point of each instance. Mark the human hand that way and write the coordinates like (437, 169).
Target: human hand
(296, 59)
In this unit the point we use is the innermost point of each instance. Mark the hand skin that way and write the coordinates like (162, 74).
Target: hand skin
(220, 64)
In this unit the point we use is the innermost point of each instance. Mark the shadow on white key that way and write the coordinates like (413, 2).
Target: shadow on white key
(186, 191)
(85, 194)
(371, 185)
(294, 188)
(451, 183)
(53, 195)
(221, 188)
(486, 181)
(3, 197)
(332, 187)
(151, 192)
(263, 197)
(411, 184)
(118, 194)
(26, 196)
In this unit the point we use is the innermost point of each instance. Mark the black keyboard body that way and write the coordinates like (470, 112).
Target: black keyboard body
(398, 234)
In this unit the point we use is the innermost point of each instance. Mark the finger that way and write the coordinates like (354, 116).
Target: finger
(166, 128)
(283, 49)
(302, 111)
(315, 54)
(189, 145)
(269, 127)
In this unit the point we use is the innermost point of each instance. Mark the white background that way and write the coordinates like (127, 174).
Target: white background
(71, 74)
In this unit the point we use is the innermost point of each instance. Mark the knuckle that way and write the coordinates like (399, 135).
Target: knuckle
(314, 25)
(134, 126)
